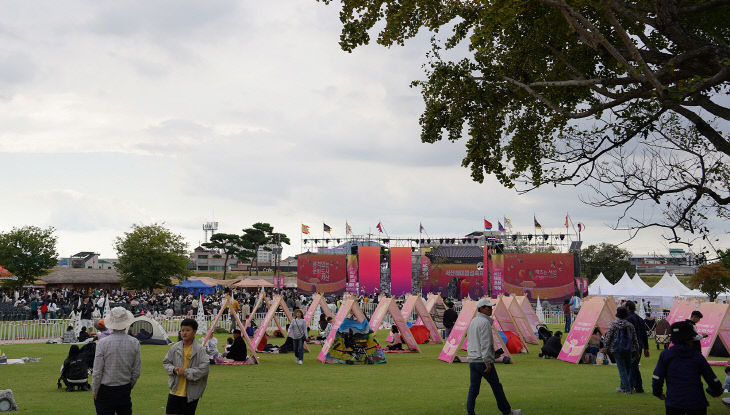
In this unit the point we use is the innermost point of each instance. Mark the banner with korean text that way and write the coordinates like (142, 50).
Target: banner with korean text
(322, 273)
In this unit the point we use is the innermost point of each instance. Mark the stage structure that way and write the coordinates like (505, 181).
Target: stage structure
(476, 265)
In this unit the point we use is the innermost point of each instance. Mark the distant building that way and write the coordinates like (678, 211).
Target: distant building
(88, 260)
(83, 278)
(676, 262)
(203, 259)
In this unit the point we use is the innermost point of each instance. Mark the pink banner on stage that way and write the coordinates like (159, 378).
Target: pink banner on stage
(400, 271)
(458, 332)
(352, 285)
(497, 269)
(585, 286)
(592, 313)
(369, 269)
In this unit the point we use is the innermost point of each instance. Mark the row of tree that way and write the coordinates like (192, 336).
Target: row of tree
(149, 255)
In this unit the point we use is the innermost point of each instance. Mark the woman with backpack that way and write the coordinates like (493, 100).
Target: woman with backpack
(622, 342)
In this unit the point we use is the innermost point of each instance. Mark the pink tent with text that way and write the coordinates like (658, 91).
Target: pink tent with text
(507, 321)
(715, 323)
(682, 309)
(246, 339)
(415, 303)
(595, 312)
(458, 334)
(276, 302)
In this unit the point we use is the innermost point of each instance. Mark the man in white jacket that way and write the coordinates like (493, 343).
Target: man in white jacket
(480, 352)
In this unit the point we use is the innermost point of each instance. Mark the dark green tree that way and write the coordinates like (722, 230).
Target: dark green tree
(724, 257)
(711, 279)
(28, 253)
(258, 236)
(625, 97)
(609, 259)
(231, 245)
(150, 256)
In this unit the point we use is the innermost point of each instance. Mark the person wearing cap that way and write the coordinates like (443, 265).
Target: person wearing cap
(480, 353)
(117, 366)
(101, 329)
(683, 367)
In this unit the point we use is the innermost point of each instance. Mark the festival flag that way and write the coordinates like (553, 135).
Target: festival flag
(566, 221)
(380, 227)
(421, 228)
(487, 224)
(507, 222)
(537, 224)
(348, 229)
(500, 227)
(327, 228)
(305, 229)
(581, 227)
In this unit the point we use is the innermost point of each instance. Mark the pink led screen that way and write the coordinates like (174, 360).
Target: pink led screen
(400, 271)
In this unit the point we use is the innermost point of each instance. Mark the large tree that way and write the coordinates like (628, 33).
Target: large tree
(28, 253)
(231, 245)
(259, 236)
(626, 97)
(608, 259)
(711, 279)
(150, 256)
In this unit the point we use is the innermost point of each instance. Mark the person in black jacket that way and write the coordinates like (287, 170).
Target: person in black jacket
(238, 348)
(75, 371)
(552, 346)
(683, 367)
(450, 317)
(642, 336)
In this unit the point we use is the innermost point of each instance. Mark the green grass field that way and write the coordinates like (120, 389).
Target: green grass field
(407, 384)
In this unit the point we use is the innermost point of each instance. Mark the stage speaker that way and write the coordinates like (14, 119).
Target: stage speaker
(353, 250)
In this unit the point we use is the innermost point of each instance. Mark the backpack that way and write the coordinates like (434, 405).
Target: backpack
(623, 341)
(77, 368)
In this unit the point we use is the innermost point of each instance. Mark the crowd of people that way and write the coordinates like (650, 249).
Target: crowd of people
(116, 355)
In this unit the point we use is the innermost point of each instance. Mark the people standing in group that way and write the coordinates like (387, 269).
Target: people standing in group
(566, 314)
(683, 368)
(117, 366)
(187, 365)
(642, 337)
(480, 353)
(298, 334)
(622, 342)
(450, 316)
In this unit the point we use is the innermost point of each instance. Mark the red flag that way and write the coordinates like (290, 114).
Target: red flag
(380, 227)
(487, 224)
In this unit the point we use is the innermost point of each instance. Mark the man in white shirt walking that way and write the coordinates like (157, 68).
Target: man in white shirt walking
(480, 352)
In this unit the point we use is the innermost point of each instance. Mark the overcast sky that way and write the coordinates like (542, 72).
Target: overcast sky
(183, 112)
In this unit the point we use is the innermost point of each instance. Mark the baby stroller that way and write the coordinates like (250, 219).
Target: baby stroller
(75, 371)
(662, 333)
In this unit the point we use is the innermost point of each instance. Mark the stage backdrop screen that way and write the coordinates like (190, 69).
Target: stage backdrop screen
(400, 271)
(369, 269)
(321, 273)
(549, 276)
(453, 280)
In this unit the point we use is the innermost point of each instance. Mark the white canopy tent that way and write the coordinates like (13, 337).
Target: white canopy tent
(624, 287)
(601, 286)
(639, 283)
